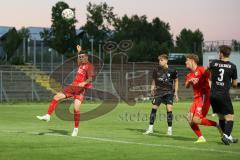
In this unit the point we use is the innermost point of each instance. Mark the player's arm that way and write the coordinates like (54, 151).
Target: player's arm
(187, 83)
(153, 87)
(234, 78)
(210, 79)
(82, 84)
(79, 48)
(235, 83)
(208, 70)
(89, 80)
(176, 88)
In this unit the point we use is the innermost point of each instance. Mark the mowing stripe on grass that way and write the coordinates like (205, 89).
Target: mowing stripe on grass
(131, 142)
(160, 145)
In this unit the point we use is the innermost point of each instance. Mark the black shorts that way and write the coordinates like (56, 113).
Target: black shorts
(166, 99)
(222, 105)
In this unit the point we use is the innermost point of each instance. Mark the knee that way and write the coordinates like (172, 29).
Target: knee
(57, 97)
(229, 117)
(196, 120)
(155, 107)
(169, 108)
(190, 121)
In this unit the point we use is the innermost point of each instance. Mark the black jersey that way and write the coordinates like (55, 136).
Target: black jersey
(223, 72)
(164, 80)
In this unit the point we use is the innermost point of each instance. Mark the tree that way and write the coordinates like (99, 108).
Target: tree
(236, 45)
(24, 33)
(11, 41)
(62, 35)
(100, 21)
(190, 42)
(46, 36)
(150, 38)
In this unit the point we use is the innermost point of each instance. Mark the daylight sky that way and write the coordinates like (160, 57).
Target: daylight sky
(217, 19)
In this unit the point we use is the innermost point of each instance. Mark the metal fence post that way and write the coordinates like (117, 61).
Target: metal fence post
(41, 55)
(122, 75)
(126, 84)
(51, 60)
(133, 73)
(24, 49)
(1, 85)
(34, 51)
(147, 72)
(28, 49)
(104, 84)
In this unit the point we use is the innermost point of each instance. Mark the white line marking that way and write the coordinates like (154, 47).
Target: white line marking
(129, 142)
(161, 145)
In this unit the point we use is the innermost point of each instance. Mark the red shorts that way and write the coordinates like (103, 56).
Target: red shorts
(74, 92)
(200, 106)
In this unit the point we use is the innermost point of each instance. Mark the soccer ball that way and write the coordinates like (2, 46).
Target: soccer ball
(68, 14)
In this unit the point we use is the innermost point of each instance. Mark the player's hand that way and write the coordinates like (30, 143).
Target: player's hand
(194, 80)
(79, 48)
(153, 92)
(82, 84)
(176, 97)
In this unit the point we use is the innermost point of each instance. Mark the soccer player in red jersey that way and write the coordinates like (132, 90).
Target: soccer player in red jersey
(82, 81)
(198, 79)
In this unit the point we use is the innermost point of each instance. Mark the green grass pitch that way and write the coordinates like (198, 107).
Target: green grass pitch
(116, 135)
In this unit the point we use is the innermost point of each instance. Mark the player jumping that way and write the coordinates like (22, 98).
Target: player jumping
(82, 81)
(198, 78)
(223, 76)
(163, 90)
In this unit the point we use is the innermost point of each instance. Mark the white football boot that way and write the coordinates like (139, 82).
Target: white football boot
(46, 117)
(169, 131)
(75, 132)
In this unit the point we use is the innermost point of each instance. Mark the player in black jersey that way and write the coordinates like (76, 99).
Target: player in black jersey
(223, 76)
(164, 88)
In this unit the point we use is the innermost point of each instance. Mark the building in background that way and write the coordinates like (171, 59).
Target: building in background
(234, 58)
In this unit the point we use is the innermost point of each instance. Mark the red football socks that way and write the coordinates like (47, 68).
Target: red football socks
(76, 118)
(196, 130)
(52, 106)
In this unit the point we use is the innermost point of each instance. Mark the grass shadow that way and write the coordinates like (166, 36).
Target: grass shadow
(55, 131)
(162, 134)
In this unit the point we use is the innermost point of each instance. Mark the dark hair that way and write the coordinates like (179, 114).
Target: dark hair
(164, 56)
(193, 57)
(83, 52)
(225, 50)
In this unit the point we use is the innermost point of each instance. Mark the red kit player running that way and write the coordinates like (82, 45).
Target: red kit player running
(83, 80)
(198, 78)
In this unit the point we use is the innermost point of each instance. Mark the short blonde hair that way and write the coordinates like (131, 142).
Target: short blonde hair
(164, 56)
(193, 57)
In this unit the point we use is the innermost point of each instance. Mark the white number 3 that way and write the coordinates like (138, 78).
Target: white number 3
(220, 78)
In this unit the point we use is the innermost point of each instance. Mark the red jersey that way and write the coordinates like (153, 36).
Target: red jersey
(83, 73)
(202, 86)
